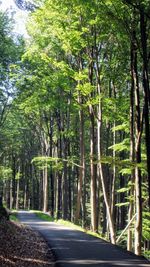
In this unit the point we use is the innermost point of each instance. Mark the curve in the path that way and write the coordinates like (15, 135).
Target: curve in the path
(76, 249)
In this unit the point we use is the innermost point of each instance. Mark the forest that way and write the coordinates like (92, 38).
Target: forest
(75, 116)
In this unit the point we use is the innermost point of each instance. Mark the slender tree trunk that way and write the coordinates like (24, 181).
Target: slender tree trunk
(145, 57)
(113, 176)
(99, 151)
(93, 146)
(84, 196)
(114, 166)
(132, 149)
(32, 186)
(64, 122)
(59, 196)
(65, 182)
(82, 166)
(41, 191)
(59, 182)
(105, 193)
(138, 189)
(80, 191)
(45, 147)
(13, 181)
(138, 225)
(45, 192)
(138, 127)
(25, 197)
(51, 171)
(93, 175)
(70, 175)
(11, 195)
(17, 194)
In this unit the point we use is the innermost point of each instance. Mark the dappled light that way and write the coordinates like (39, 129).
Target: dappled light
(20, 246)
(75, 131)
(72, 247)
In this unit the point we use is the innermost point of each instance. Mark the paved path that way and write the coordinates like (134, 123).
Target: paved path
(76, 249)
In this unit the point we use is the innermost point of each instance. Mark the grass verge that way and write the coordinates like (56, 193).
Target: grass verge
(47, 217)
(13, 217)
(44, 216)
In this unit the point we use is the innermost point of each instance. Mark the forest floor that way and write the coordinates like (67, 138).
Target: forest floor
(20, 246)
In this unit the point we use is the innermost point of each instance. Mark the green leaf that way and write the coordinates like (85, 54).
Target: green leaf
(126, 171)
(123, 190)
(122, 204)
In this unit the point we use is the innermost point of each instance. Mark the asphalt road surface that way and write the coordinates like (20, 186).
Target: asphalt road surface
(76, 249)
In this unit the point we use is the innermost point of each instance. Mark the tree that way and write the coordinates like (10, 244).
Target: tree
(80, 109)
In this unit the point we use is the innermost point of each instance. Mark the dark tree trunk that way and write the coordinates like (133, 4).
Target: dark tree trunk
(93, 149)
(51, 171)
(144, 34)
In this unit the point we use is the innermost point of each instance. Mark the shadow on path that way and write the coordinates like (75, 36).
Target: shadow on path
(74, 248)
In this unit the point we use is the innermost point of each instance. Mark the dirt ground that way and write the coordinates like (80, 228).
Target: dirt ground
(22, 247)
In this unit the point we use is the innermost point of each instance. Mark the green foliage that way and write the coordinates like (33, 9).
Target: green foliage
(56, 163)
(122, 204)
(5, 173)
(146, 254)
(10, 48)
(146, 225)
(123, 146)
(77, 57)
(18, 175)
(46, 162)
(85, 89)
(122, 127)
(123, 190)
(127, 171)
(44, 216)
(13, 217)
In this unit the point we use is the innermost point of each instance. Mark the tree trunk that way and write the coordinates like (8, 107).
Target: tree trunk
(45, 189)
(99, 141)
(114, 165)
(132, 146)
(59, 181)
(70, 175)
(93, 167)
(13, 181)
(138, 189)
(145, 57)
(82, 166)
(25, 197)
(65, 182)
(11, 195)
(138, 129)
(106, 199)
(51, 171)
(17, 194)
(93, 175)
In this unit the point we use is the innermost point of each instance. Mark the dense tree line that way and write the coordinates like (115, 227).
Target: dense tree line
(75, 141)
